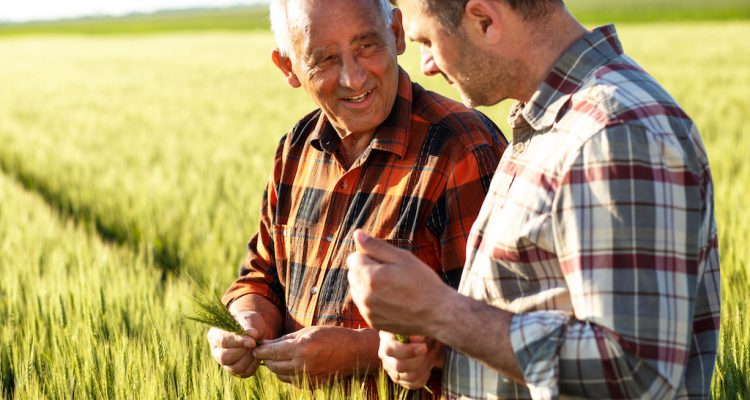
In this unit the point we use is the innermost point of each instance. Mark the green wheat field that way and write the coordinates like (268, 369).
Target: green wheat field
(134, 157)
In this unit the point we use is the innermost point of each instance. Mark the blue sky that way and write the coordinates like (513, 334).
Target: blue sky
(26, 10)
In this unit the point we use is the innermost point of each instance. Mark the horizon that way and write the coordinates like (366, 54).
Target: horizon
(46, 11)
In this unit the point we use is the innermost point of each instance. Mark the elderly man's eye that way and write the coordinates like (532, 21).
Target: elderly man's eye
(325, 60)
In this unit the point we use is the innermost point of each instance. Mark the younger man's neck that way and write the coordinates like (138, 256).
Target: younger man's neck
(548, 40)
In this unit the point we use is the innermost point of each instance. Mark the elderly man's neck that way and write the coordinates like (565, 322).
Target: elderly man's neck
(353, 144)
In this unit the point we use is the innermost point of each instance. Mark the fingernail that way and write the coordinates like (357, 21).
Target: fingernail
(361, 236)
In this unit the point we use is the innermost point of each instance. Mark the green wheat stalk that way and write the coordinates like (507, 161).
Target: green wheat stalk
(209, 310)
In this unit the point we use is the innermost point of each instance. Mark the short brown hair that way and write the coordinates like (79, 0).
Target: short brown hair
(450, 12)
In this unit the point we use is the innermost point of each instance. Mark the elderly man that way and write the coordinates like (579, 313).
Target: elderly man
(381, 154)
(592, 269)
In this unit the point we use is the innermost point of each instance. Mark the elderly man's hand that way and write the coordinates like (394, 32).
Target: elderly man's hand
(319, 353)
(234, 352)
(393, 290)
(410, 364)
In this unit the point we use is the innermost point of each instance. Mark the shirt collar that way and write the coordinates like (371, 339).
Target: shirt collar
(392, 135)
(567, 75)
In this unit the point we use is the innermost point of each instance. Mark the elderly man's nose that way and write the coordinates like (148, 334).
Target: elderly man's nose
(429, 67)
(352, 74)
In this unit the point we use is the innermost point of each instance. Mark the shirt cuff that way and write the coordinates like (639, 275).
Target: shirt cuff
(236, 291)
(536, 338)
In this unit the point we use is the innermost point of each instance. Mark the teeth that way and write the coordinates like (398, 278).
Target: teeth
(359, 98)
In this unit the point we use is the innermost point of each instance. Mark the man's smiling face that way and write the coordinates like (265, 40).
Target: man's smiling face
(345, 59)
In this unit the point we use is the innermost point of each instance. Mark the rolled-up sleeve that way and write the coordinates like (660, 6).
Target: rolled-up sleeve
(258, 273)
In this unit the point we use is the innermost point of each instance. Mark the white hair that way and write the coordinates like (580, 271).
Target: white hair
(282, 29)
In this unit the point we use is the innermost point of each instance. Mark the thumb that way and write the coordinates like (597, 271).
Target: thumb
(378, 249)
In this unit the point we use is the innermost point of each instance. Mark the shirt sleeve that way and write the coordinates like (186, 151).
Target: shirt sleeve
(258, 273)
(458, 207)
(634, 233)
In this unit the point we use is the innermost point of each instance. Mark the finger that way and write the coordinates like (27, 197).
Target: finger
(251, 369)
(219, 338)
(284, 367)
(358, 261)
(414, 380)
(402, 351)
(228, 356)
(249, 322)
(242, 367)
(387, 338)
(408, 366)
(253, 333)
(378, 249)
(418, 378)
(393, 374)
(275, 350)
(418, 339)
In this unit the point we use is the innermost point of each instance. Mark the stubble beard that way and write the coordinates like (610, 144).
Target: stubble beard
(487, 79)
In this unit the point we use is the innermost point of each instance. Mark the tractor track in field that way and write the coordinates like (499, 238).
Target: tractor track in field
(82, 215)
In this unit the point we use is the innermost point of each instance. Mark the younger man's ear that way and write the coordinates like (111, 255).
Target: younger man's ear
(284, 64)
(485, 18)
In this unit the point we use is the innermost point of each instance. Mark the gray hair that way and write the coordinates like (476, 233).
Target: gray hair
(282, 29)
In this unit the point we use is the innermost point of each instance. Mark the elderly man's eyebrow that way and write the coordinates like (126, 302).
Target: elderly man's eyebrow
(320, 52)
(367, 36)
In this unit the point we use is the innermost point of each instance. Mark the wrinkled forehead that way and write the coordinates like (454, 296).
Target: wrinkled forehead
(316, 23)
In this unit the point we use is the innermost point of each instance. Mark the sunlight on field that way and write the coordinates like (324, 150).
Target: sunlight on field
(159, 146)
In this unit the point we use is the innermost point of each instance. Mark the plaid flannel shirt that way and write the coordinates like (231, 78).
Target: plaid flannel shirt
(419, 185)
(599, 234)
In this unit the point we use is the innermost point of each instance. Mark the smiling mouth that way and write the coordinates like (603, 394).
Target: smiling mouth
(358, 99)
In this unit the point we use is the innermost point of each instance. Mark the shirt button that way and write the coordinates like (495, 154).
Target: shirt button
(314, 290)
(342, 185)
(519, 147)
(329, 237)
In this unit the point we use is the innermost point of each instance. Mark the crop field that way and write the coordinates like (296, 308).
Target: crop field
(130, 161)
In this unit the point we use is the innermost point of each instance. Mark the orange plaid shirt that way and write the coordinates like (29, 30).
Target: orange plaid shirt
(419, 185)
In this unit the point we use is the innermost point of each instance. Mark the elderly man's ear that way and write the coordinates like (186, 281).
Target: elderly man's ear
(285, 65)
(397, 26)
